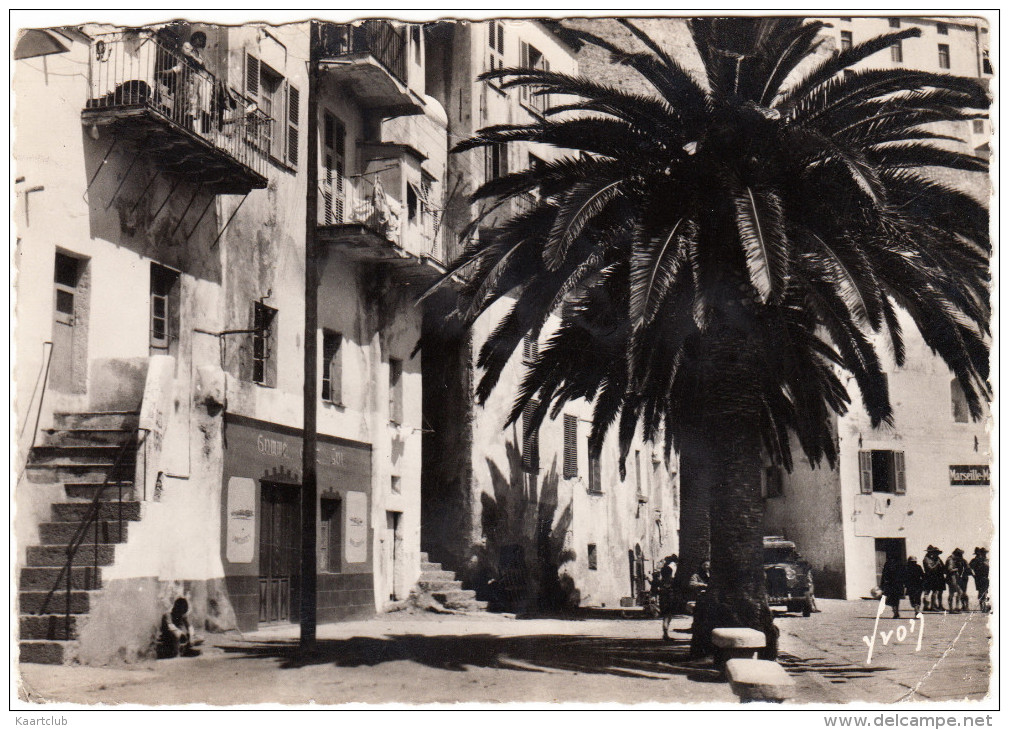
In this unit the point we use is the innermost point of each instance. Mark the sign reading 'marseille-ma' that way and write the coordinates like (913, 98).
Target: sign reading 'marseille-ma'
(969, 475)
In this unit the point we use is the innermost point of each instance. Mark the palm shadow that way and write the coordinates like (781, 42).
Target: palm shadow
(620, 657)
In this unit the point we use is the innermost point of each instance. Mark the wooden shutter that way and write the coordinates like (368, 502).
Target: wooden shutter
(570, 446)
(865, 470)
(530, 438)
(251, 76)
(900, 480)
(293, 104)
(530, 349)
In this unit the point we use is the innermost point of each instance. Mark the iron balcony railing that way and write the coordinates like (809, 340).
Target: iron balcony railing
(380, 38)
(137, 70)
(361, 200)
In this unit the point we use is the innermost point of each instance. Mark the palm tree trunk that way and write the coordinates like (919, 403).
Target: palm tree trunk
(696, 455)
(736, 595)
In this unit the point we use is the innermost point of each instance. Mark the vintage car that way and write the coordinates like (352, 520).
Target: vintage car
(789, 577)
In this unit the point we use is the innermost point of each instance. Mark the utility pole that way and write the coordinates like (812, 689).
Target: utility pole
(309, 488)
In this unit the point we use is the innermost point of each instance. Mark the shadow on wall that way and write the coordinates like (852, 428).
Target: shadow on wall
(518, 565)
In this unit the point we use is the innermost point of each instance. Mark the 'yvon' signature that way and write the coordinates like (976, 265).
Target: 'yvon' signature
(915, 624)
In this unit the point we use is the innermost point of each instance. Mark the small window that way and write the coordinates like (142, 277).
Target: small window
(943, 56)
(986, 62)
(845, 40)
(65, 278)
(495, 161)
(164, 309)
(942, 29)
(638, 486)
(593, 556)
(332, 367)
(771, 481)
(395, 484)
(958, 401)
(329, 535)
(264, 345)
(978, 126)
(530, 439)
(882, 471)
(897, 53)
(570, 446)
(595, 473)
(894, 22)
(395, 390)
(530, 350)
(412, 200)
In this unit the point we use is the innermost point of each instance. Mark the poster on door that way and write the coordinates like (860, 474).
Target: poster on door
(241, 520)
(356, 528)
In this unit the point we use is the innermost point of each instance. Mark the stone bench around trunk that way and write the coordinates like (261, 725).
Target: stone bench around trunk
(736, 643)
(758, 680)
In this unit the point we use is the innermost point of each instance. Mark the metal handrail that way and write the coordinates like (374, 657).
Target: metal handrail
(91, 516)
(43, 376)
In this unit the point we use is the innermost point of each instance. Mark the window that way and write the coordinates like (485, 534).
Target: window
(530, 350)
(279, 101)
(894, 22)
(845, 40)
(164, 309)
(495, 41)
(978, 126)
(334, 138)
(532, 58)
(329, 534)
(593, 556)
(570, 446)
(638, 486)
(495, 161)
(845, 20)
(942, 29)
(264, 345)
(771, 481)
(882, 471)
(530, 438)
(595, 472)
(395, 484)
(395, 390)
(943, 55)
(415, 36)
(986, 62)
(897, 53)
(332, 367)
(958, 401)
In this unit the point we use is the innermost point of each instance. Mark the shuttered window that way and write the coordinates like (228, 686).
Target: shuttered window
(332, 367)
(570, 446)
(293, 105)
(882, 471)
(530, 438)
(595, 473)
(593, 556)
(530, 350)
(395, 390)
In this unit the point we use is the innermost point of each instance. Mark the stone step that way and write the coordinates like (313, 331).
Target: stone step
(473, 605)
(80, 454)
(75, 511)
(439, 586)
(426, 566)
(61, 533)
(31, 602)
(87, 436)
(434, 575)
(40, 556)
(104, 419)
(424, 558)
(42, 579)
(50, 627)
(455, 598)
(43, 652)
(87, 489)
(67, 472)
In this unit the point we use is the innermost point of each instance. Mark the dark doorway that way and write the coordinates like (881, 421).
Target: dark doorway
(886, 548)
(279, 542)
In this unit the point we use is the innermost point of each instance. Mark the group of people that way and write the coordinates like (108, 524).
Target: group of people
(662, 587)
(933, 577)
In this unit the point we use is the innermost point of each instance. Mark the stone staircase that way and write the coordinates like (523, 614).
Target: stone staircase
(78, 453)
(442, 589)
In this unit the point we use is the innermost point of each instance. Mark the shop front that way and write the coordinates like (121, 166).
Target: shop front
(261, 518)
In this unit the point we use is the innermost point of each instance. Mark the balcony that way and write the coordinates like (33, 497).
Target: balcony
(370, 58)
(375, 218)
(190, 122)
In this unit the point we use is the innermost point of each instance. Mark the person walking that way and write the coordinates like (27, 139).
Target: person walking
(892, 584)
(935, 578)
(957, 575)
(667, 596)
(914, 581)
(979, 567)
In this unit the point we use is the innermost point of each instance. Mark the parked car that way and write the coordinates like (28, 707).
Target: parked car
(789, 577)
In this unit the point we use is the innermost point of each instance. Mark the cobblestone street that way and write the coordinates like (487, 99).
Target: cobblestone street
(490, 658)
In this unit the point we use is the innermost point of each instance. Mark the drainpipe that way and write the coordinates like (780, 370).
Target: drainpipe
(308, 469)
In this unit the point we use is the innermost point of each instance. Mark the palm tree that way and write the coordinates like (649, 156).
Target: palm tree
(720, 250)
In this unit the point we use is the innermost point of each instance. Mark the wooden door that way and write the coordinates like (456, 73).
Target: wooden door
(65, 281)
(279, 553)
